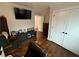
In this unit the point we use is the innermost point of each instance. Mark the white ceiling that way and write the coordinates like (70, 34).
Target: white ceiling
(43, 5)
(55, 5)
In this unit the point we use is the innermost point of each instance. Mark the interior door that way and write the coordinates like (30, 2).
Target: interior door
(71, 39)
(58, 27)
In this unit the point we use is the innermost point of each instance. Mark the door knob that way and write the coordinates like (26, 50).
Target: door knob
(66, 33)
(63, 32)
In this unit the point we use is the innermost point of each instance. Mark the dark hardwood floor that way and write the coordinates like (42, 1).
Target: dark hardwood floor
(50, 48)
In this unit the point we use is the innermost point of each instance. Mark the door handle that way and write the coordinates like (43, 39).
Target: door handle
(63, 32)
(66, 33)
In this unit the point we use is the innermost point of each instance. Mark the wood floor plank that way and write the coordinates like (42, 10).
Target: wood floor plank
(50, 48)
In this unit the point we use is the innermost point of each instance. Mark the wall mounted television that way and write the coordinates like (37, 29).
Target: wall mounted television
(22, 13)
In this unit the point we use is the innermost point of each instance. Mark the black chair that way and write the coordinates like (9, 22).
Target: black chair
(34, 51)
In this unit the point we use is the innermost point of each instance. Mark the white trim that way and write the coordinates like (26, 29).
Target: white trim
(50, 23)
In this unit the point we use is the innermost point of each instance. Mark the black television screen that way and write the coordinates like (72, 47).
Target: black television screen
(22, 13)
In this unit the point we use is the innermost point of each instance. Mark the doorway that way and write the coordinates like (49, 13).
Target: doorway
(39, 23)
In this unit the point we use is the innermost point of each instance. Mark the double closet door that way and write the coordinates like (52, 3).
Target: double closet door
(65, 29)
(59, 27)
(71, 40)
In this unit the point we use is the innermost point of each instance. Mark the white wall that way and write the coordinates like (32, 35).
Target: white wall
(47, 12)
(6, 9)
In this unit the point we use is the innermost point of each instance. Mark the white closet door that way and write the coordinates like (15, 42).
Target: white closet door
(71, 39)
(58, 27)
